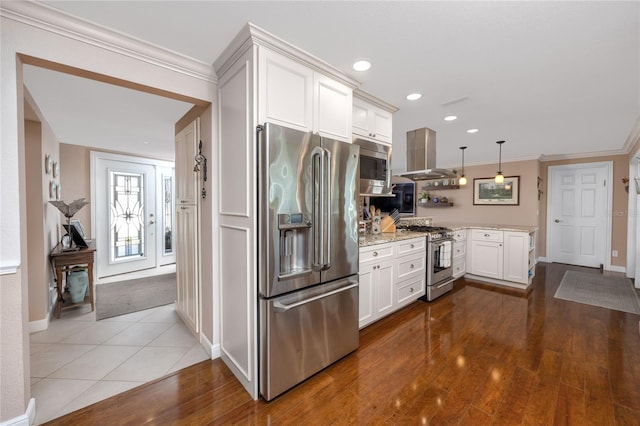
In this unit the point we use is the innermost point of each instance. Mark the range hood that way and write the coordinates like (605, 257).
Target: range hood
(421, 156)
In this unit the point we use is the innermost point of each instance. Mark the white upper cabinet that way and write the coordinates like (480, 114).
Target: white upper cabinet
(293, 95)
(332, 108)
(372, 118)
(286, 92)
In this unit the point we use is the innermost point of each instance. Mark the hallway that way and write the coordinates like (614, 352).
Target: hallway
(78, 361)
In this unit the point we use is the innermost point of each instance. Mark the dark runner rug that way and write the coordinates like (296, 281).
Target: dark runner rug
(124, 297)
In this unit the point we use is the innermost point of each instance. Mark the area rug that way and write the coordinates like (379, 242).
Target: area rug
(124, 297)
(612, 292)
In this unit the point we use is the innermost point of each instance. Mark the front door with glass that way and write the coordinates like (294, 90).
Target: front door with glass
(125, 216)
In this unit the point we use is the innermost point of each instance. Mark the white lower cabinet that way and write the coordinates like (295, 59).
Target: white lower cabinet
(502, 255)
(459, 256)
(392, 275)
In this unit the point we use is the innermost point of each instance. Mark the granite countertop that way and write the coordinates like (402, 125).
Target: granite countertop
(388, 237)
(516, 228)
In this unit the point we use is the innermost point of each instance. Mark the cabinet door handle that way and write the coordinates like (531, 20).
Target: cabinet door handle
(410, 289)
(487, 235)
(412, 266)
(499, 245)
(374, 254)
(412, 246)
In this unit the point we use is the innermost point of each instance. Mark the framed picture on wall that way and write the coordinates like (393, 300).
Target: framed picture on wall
(489, 193)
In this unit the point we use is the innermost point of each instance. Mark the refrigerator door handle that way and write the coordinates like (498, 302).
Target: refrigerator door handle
(317, 160)
(327, 201)
(280, 307)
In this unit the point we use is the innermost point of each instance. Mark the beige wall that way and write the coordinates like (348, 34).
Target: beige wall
(465, 212)
(620, 204)
(75, 176)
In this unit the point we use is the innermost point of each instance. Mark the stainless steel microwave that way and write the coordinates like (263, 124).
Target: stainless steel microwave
(375, 168)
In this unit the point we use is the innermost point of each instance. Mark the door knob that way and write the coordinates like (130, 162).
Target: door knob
(557, 221)
(151, 222)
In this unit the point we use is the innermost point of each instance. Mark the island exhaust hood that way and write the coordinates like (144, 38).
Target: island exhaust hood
(421, 156)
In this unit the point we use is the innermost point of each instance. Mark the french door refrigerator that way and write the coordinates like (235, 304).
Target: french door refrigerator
(308, 255)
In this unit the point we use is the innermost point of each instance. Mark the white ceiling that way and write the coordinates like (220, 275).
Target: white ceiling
(550, 78)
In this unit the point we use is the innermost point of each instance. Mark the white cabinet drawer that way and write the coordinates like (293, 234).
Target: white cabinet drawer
(409, 266)
(486, 235)
(414, 245)
(459, 249)
(410, 290)
(459, 267)
(377, 252)
(460, 235)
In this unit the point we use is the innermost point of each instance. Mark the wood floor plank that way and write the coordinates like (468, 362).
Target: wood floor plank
(570, 409)
(478, 355)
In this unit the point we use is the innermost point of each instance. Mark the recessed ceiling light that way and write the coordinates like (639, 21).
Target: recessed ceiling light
(450, 117)
(146, 142)
(362, 65)
(472, 131)
(414, 96)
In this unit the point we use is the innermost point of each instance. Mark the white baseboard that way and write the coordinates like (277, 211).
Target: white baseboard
(43, 324)
(617, 269)
(212, 350)
(26, 419)
(541, 259)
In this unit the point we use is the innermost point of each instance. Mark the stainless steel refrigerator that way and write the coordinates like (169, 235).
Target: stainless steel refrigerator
(308, 255)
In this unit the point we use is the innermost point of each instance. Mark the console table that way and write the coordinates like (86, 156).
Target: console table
(65, 261)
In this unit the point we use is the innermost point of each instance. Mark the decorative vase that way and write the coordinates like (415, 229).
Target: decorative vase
(78, 282)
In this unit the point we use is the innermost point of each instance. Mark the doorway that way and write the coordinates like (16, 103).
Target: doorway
(134, 215)
(578, 214)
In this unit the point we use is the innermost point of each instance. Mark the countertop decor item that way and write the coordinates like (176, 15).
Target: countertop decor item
(69, 210)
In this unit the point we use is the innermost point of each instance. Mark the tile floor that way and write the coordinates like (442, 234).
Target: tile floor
(78, 361)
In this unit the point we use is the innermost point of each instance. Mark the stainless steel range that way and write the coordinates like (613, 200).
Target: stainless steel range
(439, 258)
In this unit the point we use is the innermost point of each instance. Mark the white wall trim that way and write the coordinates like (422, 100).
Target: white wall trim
(58, 22)
(608, 153)
(542, 259)
(9, 269)
(252, 34)
(212, 350)
(26, 419)
(613, 268)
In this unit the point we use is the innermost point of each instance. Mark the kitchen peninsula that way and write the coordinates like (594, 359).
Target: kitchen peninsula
(498, 254)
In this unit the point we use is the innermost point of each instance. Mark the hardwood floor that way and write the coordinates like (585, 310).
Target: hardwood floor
(477, 356)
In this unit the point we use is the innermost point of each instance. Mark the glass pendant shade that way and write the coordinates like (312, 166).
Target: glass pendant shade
(499, 176)
(463, 179)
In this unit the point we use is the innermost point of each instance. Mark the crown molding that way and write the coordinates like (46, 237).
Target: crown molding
(52, 20)
(634, 137)
(557, 157)
(254, 35)
(361, 94)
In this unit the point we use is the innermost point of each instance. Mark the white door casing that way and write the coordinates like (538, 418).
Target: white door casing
(633, 222)
(579, 214)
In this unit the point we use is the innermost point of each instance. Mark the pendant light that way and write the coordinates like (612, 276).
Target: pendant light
(463, 179)
(499, 177)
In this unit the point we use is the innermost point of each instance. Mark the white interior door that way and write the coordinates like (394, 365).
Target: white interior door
(125, 216)
(578, 214)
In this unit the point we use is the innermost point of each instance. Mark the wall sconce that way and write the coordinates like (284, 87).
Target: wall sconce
(499, 177)
(463, 180)
(625, 180)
